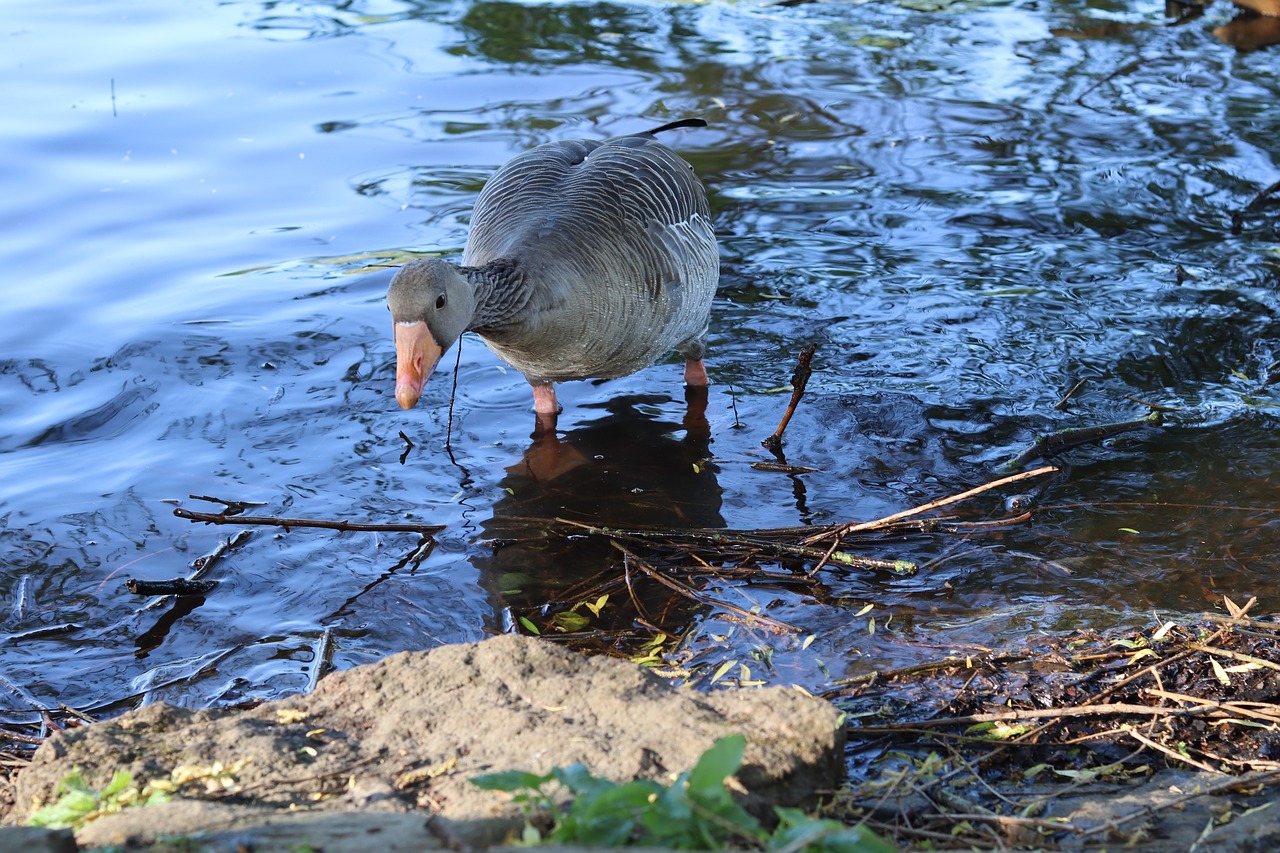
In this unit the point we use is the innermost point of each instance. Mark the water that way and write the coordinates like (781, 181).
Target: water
(969, 209)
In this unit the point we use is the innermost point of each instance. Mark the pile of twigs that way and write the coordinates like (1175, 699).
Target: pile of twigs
(687, 562)
(1010, 743)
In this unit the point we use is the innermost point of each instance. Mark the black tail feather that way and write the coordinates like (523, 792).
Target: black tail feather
(684, 122)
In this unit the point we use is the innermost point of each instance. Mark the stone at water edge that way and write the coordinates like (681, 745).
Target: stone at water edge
(410, 731)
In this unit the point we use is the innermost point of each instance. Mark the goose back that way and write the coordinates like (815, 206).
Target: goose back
(615, 244)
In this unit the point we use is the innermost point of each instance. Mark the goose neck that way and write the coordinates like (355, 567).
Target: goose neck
(501, 292)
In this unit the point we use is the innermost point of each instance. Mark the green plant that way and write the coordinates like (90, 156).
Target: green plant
(78, 803)
(696, 812)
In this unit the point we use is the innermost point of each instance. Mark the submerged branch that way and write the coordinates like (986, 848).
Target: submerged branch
(192, 584)
(739, 539)
(174, 586)
(693, 595)
(1046, 446)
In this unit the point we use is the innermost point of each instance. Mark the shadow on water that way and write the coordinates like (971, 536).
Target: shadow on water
(626, 469)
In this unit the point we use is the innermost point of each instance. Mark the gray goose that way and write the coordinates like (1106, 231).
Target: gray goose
(586, 259)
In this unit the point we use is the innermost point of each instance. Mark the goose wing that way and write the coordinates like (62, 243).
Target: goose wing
(616, 240)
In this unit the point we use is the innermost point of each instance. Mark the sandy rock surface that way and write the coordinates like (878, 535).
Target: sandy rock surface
(405, 735)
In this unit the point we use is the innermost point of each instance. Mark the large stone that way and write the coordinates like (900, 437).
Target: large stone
(409, 732)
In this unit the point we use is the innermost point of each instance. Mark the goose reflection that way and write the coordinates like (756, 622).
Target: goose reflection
(631, 467)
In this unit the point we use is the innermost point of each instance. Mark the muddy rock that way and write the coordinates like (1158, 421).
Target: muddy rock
(409, 732)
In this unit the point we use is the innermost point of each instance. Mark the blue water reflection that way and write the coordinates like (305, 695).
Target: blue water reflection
(968, 210)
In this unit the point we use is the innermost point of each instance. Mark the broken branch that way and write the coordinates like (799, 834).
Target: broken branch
(326, 523)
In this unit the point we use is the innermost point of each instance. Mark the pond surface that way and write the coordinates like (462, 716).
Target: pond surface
(968, 208)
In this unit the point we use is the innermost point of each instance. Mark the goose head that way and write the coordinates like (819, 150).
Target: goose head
(431, 303)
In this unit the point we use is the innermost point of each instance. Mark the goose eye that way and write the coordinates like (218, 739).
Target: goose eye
(440, 300)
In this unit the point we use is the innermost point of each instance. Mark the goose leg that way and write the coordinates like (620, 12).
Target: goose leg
(545, 406)
(544, 399)
(695, 373)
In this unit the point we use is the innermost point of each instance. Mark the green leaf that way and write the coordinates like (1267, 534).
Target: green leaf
(70, 809)
(510, 780)
(796, 830)
(579, 780)
(119, 781)
(718, 763)
(570, 622)
(722, 669)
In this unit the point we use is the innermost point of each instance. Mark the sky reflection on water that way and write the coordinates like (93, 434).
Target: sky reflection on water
(968, 211)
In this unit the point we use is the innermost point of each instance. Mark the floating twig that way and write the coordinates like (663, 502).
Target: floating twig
(203, 565)
(799, 379)
(1127, 68)
(326, 523)
(857, 527)
(1062, 404)
(1155, 407)
(232, 507)
(408, 446)
(41, 633)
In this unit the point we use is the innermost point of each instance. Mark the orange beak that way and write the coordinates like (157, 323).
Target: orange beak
(416, 355)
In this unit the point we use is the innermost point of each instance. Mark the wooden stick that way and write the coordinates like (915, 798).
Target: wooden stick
(799, 379)
(32, 739)
(231, 507)
(1231, 782)
(1233, 708)
(323, 660)
(1209, 650)
(1054, 443)
(1062, 404)
(1171, 753)
(736, 539)
(854, 527)
(203, 565)
(328, 524)
(1104, 710)
(693, 596)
